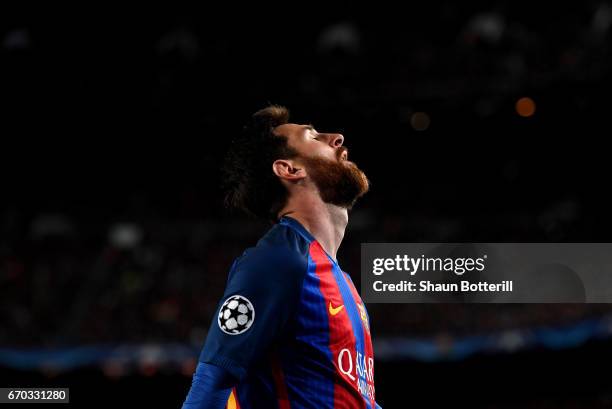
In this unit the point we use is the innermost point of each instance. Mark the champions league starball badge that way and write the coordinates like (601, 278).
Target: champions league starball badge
(236, 315)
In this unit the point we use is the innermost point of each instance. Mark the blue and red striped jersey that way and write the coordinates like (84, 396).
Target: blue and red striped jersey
(292, 328)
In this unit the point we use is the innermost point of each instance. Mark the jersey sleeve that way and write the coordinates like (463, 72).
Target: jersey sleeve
(262, 294)
(210, 388)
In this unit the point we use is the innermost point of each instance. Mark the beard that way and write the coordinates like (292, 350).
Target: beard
(340, 182)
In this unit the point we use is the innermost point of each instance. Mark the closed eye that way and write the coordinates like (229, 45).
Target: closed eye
(310, 128)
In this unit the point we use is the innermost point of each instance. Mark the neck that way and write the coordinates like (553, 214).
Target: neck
(326, 222)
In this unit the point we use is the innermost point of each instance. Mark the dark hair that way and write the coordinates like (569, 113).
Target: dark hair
(249, 183)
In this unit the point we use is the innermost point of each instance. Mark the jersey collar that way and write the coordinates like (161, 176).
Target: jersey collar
(291, 222)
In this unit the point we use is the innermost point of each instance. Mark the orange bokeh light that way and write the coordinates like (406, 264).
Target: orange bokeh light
(525, 107)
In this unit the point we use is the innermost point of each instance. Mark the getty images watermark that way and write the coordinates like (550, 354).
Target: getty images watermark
(486, 272)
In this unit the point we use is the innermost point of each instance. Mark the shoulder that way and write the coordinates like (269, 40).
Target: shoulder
(280, 255)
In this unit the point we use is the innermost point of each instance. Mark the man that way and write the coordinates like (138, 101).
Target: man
(291, 330)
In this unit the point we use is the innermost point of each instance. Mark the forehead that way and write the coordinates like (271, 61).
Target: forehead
(291, 130)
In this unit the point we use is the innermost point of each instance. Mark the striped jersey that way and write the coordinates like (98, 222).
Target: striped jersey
(292, 328)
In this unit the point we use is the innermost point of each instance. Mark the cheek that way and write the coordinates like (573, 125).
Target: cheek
(323, 152)
(316, 149)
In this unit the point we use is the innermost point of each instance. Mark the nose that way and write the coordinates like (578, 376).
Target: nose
(336, 140)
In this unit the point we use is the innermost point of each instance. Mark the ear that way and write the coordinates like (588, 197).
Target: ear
(288, 170)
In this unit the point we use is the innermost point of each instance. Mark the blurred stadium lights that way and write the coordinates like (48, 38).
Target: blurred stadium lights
(125, 235)
(181, 42)
(18, 39)
(602, 20)
(525, 107)
(114, 369)
(149, 358)
(188, 367)
(420, 121)
(342, 36)
(488, 27)
(51, 225)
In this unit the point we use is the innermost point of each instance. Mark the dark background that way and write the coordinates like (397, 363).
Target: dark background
(112, 229)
